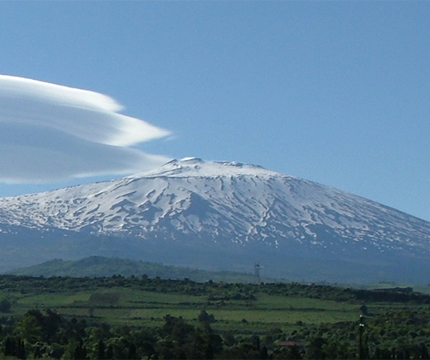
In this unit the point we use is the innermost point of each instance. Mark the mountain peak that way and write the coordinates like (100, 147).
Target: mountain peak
(186, 160)
(194, 160)
(196, 167)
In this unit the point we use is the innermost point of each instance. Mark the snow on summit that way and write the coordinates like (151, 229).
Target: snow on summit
(221, 202)
(197, 204)
(193, 166)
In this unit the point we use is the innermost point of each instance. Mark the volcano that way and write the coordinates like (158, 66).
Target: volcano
(220, 216)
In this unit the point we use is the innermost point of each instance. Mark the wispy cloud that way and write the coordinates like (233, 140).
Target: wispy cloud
(51, 132)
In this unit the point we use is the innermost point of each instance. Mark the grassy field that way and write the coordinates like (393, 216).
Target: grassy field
(120, 306)
(236, 308)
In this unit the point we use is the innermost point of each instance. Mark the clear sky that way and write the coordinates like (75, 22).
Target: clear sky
(331, 91)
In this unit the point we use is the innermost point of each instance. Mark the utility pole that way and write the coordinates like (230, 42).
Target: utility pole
(360, 337)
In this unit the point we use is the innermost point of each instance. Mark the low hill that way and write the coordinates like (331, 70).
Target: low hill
(99, 266)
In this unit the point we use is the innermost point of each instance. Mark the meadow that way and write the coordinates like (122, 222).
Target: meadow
(134, 307)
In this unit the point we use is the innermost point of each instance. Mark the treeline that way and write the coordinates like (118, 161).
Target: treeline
(49, 335)
(213, 290)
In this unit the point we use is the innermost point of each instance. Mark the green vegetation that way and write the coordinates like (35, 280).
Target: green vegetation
(99, 266)
(134, 317)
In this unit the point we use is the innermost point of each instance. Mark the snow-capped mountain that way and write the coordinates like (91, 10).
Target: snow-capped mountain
(191, 212)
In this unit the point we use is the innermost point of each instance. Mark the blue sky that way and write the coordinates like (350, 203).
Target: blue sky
(334, 91)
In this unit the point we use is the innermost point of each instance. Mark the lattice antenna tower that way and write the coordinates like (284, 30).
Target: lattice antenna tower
(257, 268)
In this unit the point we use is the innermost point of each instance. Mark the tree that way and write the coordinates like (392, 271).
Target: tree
(109, 352)
(5, 305)
(315, 348)
(101, 350)
(9, 346)
(80, 352)
(132, 351)
(364, 310)
(29, 329)
(20, 349)
(205, 317)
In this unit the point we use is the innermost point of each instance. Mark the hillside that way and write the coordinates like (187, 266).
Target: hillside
(97, 266)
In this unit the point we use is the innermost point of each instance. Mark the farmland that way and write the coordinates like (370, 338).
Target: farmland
(229, 319)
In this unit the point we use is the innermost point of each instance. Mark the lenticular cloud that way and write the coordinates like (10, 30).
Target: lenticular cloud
(51, 132)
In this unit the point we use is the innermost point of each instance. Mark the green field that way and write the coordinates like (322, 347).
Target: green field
(137, 308)
(241, 320)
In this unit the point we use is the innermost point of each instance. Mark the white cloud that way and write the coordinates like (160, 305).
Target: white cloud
(50, 132)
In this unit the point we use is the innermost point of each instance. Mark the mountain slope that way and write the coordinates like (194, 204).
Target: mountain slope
(227, 215)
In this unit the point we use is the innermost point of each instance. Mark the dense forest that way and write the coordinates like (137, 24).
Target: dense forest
(39, 322)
